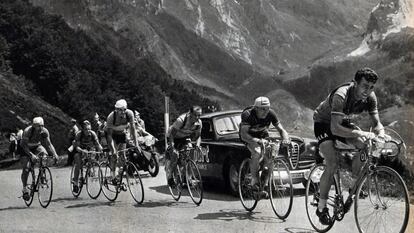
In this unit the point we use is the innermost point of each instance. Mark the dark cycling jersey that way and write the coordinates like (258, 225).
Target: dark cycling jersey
(87, 141)
(343, 102)
(258, 128)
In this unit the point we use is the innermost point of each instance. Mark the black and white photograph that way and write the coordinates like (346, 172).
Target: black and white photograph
(183, 116)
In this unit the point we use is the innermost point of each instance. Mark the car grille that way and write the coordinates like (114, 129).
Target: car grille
(296, 161)
(294, 155)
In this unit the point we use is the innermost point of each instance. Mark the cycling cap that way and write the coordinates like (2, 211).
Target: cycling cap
(262, 102)
(136, 113)
(73, 120)
(38, 121)
(121, 104)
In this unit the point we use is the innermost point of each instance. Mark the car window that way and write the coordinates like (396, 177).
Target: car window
(227, 124)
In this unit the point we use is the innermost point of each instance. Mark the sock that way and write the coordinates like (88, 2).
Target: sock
(321, 204)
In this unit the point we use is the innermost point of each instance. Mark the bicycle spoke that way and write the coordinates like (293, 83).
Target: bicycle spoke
(45, 187)
(387, 205)
(134, 182)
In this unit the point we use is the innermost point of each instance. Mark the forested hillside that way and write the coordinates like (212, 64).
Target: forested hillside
(71, 71)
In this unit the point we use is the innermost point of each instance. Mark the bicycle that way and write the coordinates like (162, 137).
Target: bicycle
(42, 184)
(133, 178)
(192, 181)
(279, 184)
(378, 190)
(90, 171)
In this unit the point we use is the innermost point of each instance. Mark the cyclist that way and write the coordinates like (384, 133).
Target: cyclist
(71, 137)
(34, 136)
(187, 126)
(254, 126)
(85, 141)
(138, 119)
(117, 124)
(333, 122)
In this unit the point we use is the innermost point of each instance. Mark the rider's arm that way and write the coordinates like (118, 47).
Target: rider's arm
(98, 146)
(49, 146)
(282, 132)
(337, 116)
(108, 130)
(373, 112)
(244, 133)
(378, 127)
(24, 143)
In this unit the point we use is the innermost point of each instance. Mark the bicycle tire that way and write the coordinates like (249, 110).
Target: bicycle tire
(109, 190)
(384, 187)
(312, 198)
(194, 182)
(281, 189)
(134, 183)
(246, 194)
(177, 190)
(45, 186)
(153, 170)
(93, 184)
(31, 187)
(80, 182)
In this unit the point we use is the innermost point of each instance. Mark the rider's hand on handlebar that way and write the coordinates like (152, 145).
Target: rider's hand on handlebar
(286, 142)
(369, 135)
(34, 157)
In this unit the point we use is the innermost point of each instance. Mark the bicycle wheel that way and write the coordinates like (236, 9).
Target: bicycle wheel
(31, 186)
(109, 190)
(386, 208)
(154, 165)
(45, 186)
(312, 195)
(80, 181)
(281, 189)
(194, 182)
(93, 186)
(246, 194)
(135, 186)
(177, 189)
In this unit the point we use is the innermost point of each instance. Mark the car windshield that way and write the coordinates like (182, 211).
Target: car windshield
(227, 124)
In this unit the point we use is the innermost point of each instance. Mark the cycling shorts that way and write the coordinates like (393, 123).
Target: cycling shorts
(323, 133)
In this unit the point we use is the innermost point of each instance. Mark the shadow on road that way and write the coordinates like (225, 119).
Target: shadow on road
(91, 205)
(230, 215)
(174, 204)
(67, 199)
(298, 230)
(14, 208)
(210, 192)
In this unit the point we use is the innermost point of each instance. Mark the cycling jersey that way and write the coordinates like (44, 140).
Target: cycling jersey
(87, 141)
(34, 137)
(118, 122)
(343, 102)
(258, 128)
(185, 128)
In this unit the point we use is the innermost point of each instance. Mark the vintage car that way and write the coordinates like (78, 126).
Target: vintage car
(223, 151)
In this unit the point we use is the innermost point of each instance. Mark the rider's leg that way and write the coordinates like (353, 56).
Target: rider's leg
(171, 163)
(25, 162)
(327, 150)
(78, 163)
(121, 159)
(268, 163)
(255, 152)
(356, 160)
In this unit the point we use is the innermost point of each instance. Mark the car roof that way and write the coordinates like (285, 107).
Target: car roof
(220, 113)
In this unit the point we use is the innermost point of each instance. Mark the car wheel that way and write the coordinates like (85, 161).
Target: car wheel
(232, 176)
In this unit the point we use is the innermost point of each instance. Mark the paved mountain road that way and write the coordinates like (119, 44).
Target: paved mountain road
(218, 212)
